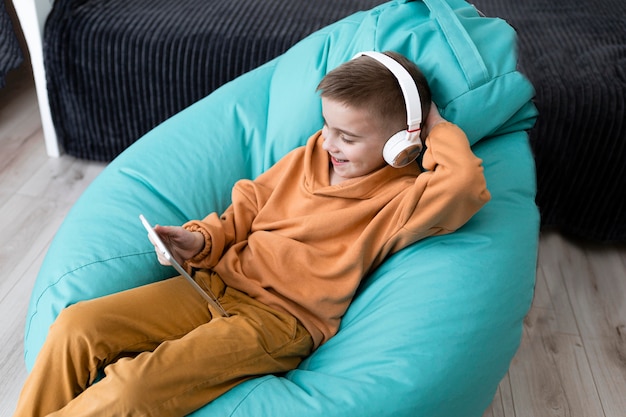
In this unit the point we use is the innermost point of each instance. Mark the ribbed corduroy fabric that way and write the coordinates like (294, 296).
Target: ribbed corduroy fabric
(574, 53)
(118, 68)
(10, 52)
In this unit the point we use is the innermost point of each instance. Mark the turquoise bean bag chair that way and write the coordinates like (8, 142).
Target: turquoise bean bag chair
(433, 330)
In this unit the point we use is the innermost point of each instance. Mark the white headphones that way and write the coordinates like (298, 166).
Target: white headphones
(405, 146)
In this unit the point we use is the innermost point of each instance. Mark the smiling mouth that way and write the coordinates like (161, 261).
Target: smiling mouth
(338, 161)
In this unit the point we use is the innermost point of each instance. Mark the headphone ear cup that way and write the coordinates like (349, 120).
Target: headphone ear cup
(402, 148)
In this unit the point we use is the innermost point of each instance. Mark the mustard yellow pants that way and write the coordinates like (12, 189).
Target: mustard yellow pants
(162, 352)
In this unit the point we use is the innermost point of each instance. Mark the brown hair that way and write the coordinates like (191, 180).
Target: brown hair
(365, 83)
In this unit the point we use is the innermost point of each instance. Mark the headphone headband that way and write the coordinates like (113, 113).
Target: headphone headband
(407, 85)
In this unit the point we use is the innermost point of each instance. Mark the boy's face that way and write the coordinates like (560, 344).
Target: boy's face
(354, 141)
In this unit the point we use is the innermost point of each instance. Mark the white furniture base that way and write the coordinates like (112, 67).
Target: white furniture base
(32, 15)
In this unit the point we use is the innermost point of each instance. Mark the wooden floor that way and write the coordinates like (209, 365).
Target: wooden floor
(571, 363)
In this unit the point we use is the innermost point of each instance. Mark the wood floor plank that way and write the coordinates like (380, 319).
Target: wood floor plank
(506, 394)
(551, 375)
(608, 363)
(594, 299)
(61, 179)
(551, 277)
(19, 115)
(541, 297)
(502, 405)
(13, 309)
(576, 378)
(495, 409)
(599, 303)
(594, 277)
(28, 224)
(19, 167)
(4, 197)
(534, 376)
(609, 292)
(600, 307)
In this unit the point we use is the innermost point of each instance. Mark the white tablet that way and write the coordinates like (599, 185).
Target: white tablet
(163, 250)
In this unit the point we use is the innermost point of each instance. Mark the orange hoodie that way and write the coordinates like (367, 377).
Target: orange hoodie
(297, 244)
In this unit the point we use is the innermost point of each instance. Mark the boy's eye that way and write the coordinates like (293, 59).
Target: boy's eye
(346, 140)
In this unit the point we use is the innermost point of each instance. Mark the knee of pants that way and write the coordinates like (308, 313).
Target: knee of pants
(125, 390)
(120, 393)
(74, 323)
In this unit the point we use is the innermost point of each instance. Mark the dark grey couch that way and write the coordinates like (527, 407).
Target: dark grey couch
(118, 68)
(11, 55)
(574, 52)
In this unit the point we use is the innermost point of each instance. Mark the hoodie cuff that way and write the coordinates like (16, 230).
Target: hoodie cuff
(195, 226)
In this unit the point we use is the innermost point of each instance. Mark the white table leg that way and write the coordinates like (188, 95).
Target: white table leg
(32, 15)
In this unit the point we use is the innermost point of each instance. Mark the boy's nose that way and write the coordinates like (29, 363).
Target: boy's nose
(329, 143)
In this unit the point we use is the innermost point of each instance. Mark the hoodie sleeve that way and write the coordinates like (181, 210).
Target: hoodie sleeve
(234, 225)
(450, 191)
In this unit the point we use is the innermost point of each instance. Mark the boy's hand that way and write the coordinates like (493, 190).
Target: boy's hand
(433, 119)
(182, 243)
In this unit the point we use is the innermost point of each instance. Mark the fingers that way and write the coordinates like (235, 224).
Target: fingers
(166, 233)
(433, 115)
(162, 259)
(172, 236)
(433, 119)
(181, 243)
(160, 256)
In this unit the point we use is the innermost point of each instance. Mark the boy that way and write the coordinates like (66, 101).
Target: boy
(284, 260)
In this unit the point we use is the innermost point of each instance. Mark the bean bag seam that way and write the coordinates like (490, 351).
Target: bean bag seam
(63, 276)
